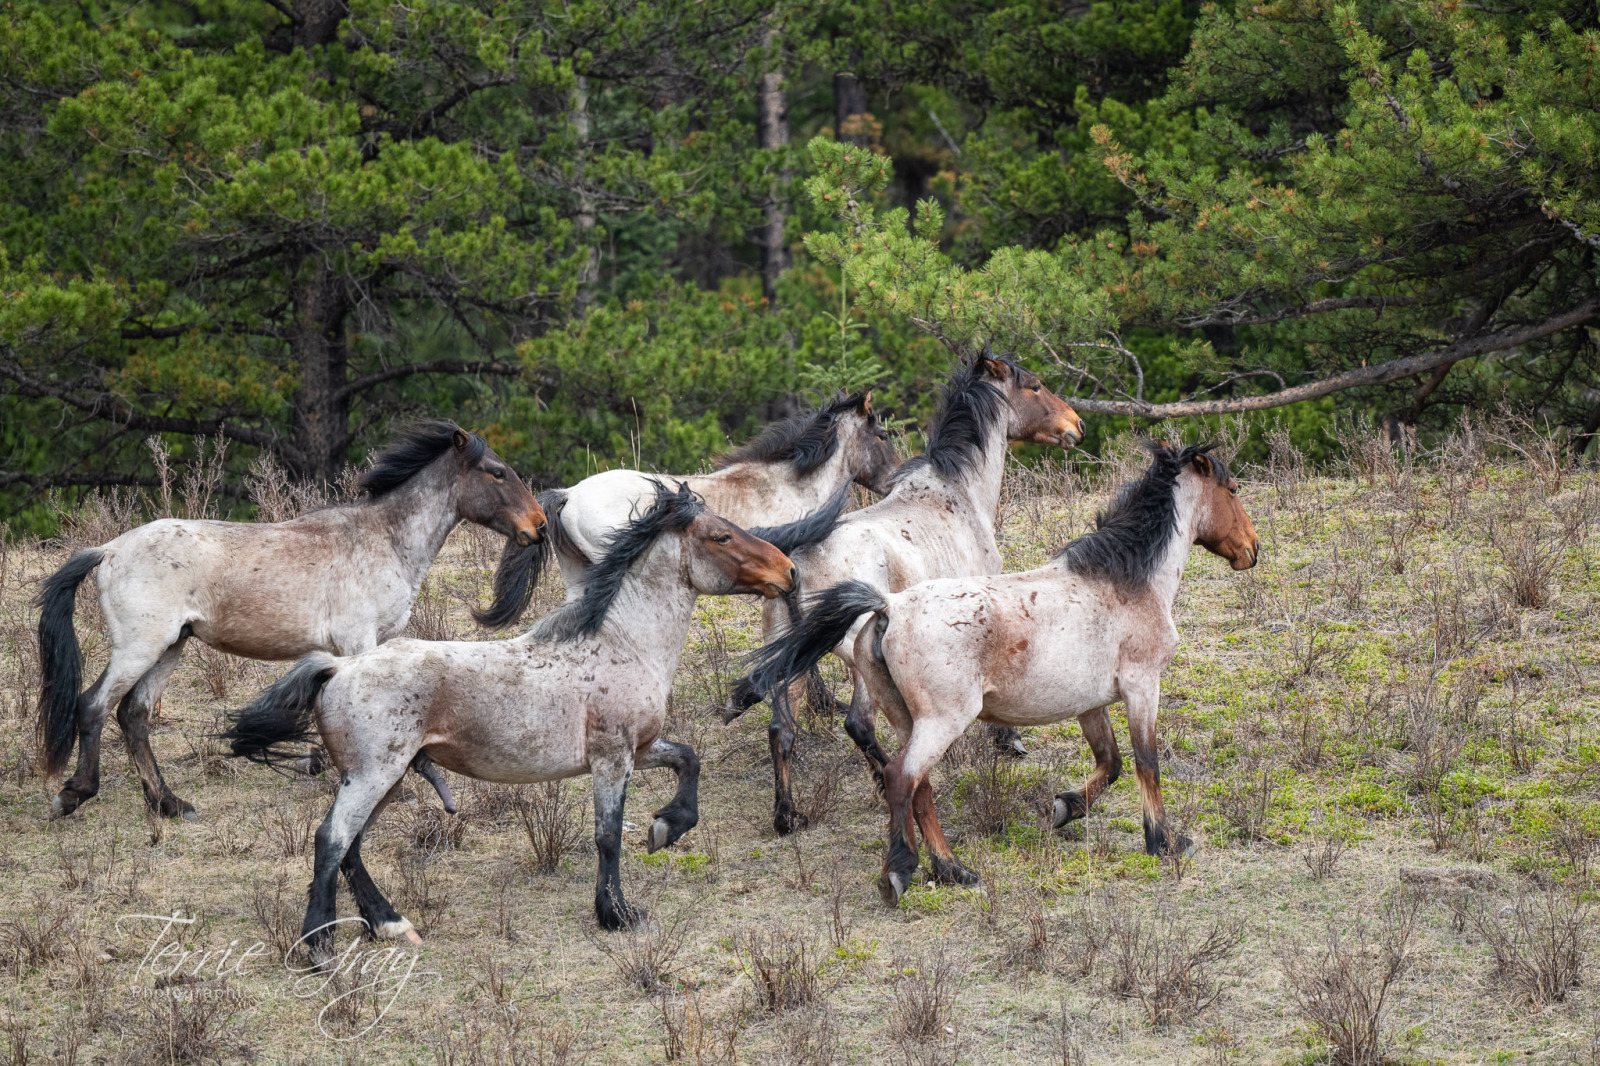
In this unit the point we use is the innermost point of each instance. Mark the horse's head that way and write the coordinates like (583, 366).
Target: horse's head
(1221, 525)
(1037, 414)
(723, 560)
(865, 440)
(489, 492)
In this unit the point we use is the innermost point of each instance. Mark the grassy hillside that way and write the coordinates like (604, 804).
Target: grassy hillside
(1383, 739)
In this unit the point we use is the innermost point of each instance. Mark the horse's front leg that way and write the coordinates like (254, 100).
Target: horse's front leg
(1143, 698)
(683, 813)
(611, 775)
(1096, 726)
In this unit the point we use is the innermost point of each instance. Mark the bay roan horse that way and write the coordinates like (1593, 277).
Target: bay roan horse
(1092, 626)
(801, 466)
(339, 579)
(937, 521)
(583, 692)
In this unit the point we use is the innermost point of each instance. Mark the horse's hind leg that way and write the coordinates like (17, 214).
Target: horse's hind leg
(133, 715)
(358, 797)
(900, 862)
(610, 775)
(128, 664)
(683, 813)
(382, 919)
(780, 740)
(947, 869)
(1096, 726)
(861, 723)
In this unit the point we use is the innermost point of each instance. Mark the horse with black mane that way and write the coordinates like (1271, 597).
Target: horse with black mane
(584, 691)
(338, 579)
(1092, 626)
(937, 521)
(802, 466)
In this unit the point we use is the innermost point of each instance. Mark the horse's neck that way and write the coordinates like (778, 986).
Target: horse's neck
(650, 618)
(769, 493)
(1168, 573)
(977, 489)
(416, 518)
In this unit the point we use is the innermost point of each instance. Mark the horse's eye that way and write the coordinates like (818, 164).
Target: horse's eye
(722, 538)
(1035, 388)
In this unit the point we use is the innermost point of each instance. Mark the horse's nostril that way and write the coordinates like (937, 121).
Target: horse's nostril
(794, 576)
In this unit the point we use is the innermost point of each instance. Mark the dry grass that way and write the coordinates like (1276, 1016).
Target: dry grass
(1430, 720)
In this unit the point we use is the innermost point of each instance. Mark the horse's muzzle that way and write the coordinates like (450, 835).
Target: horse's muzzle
(527, 537)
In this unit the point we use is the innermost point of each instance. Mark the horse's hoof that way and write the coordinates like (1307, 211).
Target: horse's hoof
(955, 872)
(189, 814)
(1183, 847)
(891, 886)
(400, 927)
(659, 832)
(1013, 749)
(1069, 807)
(787, 821)
(59, 807)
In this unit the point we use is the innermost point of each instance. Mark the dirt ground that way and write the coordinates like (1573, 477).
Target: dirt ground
(1405, 690)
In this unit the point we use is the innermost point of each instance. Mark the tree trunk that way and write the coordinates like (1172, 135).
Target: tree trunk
(318, 345)
(317, 21)
(772, 133)
(849, 105)
(589, 272)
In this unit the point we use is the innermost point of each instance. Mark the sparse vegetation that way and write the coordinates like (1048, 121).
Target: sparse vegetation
(1330, 730)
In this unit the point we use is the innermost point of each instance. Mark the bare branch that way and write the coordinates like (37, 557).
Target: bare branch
(437, 366)
(1381, 374)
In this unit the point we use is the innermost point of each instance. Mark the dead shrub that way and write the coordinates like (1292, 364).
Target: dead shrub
(992, 791)
(644, 952)
(784, 968)
(1344, 989)
(279, 917)
(1243, 801)
(290, 829)
(823, 789)
(37, 936)
(923, 1019)
(433, 830)
(430, 613)
(419, 896)
(490, 804)
(549, 817)
(1539, 946)
(687, 1035)
(1321, 854)
(808, 1037)
(1530, 557)
(493, 1036)
(1167, 966)
(187, 1023)
(1085, 932)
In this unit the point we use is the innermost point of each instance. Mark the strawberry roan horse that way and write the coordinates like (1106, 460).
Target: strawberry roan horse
(937, 521)
(584, 691)
(801, 466)
(338, 579)
(1092, 626)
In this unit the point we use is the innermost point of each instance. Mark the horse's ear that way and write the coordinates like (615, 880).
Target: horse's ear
(997, 368)
(1202, 464)
(461, 438)
(866, 402)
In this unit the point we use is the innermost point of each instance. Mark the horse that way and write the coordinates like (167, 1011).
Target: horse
(584, 691)
(803, 465)
(1092, 626)
(937, 521)
(339, 579)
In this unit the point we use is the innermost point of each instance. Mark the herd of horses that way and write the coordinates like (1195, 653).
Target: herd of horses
(908, 592)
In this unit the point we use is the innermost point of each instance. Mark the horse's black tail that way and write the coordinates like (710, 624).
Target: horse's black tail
(811, 529)
(61, 660)
(828, 617)
(283, 715)
(514, 581)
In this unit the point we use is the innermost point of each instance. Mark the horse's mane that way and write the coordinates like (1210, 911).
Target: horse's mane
(583, 617)
(807, 440)
(970, 405)
(419, 445)
(1130, 537)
